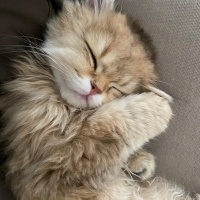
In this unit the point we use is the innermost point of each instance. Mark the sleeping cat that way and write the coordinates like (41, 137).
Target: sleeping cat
(74, 123)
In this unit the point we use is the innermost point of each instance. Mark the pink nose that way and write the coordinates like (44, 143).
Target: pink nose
(94, 89)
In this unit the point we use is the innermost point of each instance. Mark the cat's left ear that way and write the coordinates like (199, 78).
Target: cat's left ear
(100, 6)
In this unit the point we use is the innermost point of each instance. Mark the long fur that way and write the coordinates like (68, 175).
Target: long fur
(63, 144)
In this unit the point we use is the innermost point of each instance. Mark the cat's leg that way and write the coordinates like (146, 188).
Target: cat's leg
(93, 153)
(114, 132)
(142, 165)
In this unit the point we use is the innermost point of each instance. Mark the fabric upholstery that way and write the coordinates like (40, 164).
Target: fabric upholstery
(19, 18)
(175, 29)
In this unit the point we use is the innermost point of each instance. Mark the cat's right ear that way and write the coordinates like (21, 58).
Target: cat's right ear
(100, 6)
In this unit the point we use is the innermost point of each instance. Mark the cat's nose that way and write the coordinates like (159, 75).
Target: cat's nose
(94, 89)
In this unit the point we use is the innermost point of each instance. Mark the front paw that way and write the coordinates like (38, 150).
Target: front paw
(142, 165)
(197, 197)
(152, 111)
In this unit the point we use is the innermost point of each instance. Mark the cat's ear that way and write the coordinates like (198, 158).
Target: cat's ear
(100, 6)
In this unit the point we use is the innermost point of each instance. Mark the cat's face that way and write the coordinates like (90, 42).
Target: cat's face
(94, 56)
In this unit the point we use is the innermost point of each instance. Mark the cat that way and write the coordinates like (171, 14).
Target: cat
(75, 119)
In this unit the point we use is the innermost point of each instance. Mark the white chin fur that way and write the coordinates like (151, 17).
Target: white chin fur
(95, 100)
(79, 101)
(74, 89)
(73, 99)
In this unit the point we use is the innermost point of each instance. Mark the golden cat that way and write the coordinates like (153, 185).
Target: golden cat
(73, 120)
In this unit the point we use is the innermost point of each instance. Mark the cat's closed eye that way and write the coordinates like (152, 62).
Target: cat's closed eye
(116, 87)
(92, 56)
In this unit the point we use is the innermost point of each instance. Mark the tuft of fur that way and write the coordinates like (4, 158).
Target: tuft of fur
(100, 6)
(57, 147)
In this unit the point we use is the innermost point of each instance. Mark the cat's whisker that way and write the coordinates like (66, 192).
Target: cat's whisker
(121, 5)
(34, 53)
(34, 46)
(62, 65)
(132, 173)
(29, 37)
(19, 37)
(164, 82)
(26, 40)
(17, 47)
(41, 52)
(10, 46)
(14, 51)
(57, 62)
(127, 171)
(59, 66)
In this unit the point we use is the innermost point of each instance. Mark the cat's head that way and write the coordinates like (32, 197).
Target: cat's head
(94, 55)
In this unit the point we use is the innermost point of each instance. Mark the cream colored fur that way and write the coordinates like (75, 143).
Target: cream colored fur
(62, 146)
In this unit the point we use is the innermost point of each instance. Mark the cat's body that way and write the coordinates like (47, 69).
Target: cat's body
(59, 148)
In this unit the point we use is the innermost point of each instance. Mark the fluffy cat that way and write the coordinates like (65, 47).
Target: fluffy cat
(73, 121)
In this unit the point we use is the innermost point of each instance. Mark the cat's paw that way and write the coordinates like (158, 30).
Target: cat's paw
(152, 110)
(197, 197)
(142, 165)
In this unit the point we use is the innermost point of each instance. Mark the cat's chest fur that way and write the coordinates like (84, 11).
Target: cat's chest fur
(44, 108)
